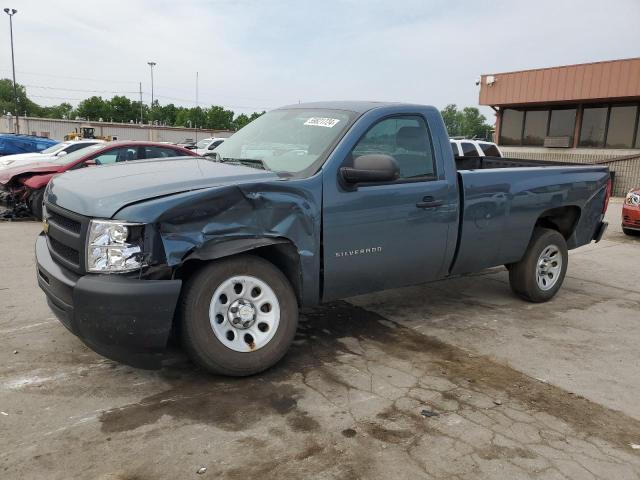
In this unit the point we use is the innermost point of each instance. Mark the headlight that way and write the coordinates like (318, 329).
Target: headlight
(114, 246)
(633, 199)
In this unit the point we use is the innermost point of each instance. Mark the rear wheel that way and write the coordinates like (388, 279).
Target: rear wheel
(35, 203)
(540, 273)
(239, 316)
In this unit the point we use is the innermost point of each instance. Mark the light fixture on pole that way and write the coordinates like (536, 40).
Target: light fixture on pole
(151, 64)
(11, 12)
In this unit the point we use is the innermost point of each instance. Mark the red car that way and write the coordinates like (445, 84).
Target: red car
(631, 213)
(22, 187)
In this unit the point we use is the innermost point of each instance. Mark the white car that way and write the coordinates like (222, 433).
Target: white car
(474, 148)
(207, 145)
(51, 153)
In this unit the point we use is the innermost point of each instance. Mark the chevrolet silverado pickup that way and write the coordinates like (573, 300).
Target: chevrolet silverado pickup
(307, 204)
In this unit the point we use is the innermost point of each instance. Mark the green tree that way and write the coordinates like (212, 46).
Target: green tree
(94, 108)
(121, 109)
(25, 106)
(218, 118)
(243, 119)
(64, 110)
(452, 120)
(468, 122)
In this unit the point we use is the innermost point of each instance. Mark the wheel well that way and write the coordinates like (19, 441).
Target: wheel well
(283, 255)
(562, 219)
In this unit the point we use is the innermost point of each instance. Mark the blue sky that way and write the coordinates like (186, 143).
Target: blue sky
(254, 55)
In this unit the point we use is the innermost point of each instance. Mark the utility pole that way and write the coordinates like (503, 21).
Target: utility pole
(141, 108)
(11, 12)
(197, 113)
(151, 64)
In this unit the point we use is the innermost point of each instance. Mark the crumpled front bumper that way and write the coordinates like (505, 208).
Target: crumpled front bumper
(120, 317)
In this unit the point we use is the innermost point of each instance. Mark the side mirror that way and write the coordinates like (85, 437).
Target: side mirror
(91, 163)
(62, 153)
(371, 168)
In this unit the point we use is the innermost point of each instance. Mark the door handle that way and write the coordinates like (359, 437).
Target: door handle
(429, 202)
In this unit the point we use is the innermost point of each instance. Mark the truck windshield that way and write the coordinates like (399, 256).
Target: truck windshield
(287, 141)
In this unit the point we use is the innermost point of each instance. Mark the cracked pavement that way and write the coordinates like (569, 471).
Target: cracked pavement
(452, 380)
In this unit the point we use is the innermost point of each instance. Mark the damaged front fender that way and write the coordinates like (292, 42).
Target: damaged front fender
(221, 221)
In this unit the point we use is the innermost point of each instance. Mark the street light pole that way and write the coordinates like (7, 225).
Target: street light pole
(11, 12)
(151, 64)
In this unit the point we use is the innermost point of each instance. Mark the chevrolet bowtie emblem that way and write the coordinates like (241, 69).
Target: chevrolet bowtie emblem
(45, 226)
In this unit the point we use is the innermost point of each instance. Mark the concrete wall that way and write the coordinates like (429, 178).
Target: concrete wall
(57, 129)
(625, 163)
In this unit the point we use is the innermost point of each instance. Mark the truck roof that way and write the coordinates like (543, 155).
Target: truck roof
(352, 106)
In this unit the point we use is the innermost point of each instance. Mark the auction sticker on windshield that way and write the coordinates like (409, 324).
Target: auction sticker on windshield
(322, 122)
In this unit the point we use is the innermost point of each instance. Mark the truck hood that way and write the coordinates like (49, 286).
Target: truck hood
(34, 168)
(22, 156)
(101, 191)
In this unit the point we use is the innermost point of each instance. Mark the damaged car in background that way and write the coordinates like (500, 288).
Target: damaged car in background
(22, 186)
(307, 204)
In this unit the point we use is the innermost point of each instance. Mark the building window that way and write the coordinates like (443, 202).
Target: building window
(511, 127)
(622, 122)
(535, 127)
(637, 135)
(594, 122)
(563, 123)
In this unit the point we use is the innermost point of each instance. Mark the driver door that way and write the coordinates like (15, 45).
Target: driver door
(386, 235)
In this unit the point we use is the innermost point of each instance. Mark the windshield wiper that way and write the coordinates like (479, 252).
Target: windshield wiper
(248, 162)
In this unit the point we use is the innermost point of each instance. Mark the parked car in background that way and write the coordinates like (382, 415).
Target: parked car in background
(474, 148)
(631, 213)
(207, 145)
(11, 144)
(306, 204)
(22, 187)
(57, 150)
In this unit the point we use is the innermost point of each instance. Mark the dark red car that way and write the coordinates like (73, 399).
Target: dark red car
(631, 213)
(22, 187)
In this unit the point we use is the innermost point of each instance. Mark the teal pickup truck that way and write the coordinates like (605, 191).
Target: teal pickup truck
(307, 204)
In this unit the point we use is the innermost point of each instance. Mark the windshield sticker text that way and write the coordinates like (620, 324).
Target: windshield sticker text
(322, 122)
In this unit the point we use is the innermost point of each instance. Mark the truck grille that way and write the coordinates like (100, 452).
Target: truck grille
(64, 222)
(65, 251)
(66, 235)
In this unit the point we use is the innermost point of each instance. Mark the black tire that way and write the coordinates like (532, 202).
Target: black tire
(630, 232)
(35, 203)
(202, 345)
(523, 274)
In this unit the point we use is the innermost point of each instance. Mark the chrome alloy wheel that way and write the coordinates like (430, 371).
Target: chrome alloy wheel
(549, 267)
(244, 313)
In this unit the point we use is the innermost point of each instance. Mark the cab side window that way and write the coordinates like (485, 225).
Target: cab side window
(404, 138)
(469, 149)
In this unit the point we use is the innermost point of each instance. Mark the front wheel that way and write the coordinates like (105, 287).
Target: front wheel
(540, 273)
(239, 316)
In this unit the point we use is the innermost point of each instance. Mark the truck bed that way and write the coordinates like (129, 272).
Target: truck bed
(502, 198)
